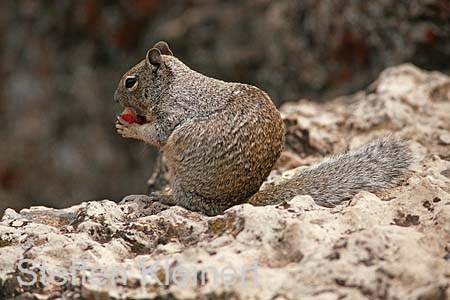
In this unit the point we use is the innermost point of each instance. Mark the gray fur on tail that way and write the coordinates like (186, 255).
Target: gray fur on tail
(378, 165)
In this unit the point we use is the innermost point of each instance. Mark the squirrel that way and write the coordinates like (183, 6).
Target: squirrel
(221, 140)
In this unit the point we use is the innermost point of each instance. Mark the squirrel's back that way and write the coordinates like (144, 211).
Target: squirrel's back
(225, 156)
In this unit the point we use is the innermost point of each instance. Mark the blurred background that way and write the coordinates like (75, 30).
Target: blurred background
(60, 62)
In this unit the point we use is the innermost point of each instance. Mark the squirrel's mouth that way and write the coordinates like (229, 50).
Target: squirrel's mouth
(141, 117)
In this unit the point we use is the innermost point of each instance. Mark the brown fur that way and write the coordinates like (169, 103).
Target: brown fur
(222, 139)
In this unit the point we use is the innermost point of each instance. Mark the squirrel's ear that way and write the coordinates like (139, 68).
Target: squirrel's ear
(153, 58)
(163, 47)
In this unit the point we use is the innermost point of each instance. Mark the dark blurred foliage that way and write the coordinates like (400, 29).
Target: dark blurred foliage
(60, 62)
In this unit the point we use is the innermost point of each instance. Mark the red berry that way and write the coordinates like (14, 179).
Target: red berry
(130, 116)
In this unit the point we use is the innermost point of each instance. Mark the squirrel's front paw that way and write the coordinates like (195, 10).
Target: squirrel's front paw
(127, 130)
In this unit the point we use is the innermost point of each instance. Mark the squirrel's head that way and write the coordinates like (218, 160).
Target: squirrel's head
(142, 85)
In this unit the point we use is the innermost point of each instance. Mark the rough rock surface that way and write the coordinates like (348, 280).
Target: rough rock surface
(394, 245)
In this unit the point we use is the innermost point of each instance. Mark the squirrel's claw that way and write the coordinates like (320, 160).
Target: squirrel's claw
(121, 121)
(127, 130)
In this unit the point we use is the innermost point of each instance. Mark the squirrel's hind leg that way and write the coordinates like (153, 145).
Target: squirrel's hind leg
(196, 202)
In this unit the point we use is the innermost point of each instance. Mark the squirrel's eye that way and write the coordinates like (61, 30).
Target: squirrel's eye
(130, 82)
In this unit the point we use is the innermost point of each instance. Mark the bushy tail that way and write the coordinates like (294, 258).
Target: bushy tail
(377, 165)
